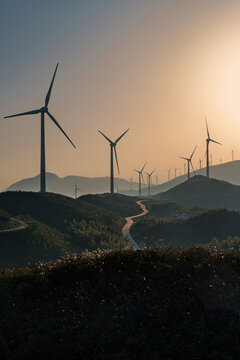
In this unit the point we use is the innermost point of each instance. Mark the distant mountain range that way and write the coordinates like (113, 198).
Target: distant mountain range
(66, 185)
(203, 192)
(229, 172)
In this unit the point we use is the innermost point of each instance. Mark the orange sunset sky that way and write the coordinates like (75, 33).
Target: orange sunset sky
(156, 67)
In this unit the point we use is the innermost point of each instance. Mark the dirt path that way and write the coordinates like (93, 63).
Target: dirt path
(22, 225)
(129, 222)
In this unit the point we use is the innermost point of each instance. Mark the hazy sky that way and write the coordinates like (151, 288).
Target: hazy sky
(156, 66)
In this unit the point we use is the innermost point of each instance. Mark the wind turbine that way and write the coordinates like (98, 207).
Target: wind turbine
(200, 163)
(169, 174)
(189, 161)
(131, 182)
(140, 177)
(149, 181)
(113, 148)
(43, 111)
(176, 169)
(208, 140)
(76, 188)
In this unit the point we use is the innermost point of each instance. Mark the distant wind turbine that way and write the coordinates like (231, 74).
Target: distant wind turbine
(131, 180)
(208, 140)
(169, 174)
(43, 111)
(149, 181)
(200, 163)
(76, 189)
(176, 169)
(189, 161)
(140, 177)
(113, 148)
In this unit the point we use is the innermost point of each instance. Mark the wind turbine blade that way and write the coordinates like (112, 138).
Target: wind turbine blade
(147, 173)
(183, 158)
(32, 112)
(207, 128)
(56, 123)
(115, 151)
(192, 165)
(137, 171)
(121, 136)
(193, 152)
(152, 172)
(143, 167)
(106, 137)
(50, 88)
(215, 142)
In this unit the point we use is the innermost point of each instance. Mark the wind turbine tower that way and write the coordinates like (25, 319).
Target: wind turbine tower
(169, 174)
(149, 181)
(208, 140)
(232, 155)
(189, 162)
(200, 163)
(140, 177)
(76, 188)
(176, 169)
(113, 149)
(131, 180)
(44, 110)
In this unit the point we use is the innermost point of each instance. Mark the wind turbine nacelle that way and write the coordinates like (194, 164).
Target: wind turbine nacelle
(44, 109)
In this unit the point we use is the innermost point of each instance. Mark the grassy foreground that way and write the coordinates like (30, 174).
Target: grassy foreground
(146, 304)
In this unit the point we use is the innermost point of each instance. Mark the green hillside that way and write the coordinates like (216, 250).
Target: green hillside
(199, 229)
(116, 203)
(161, 304)
(160, 209)
(57, 225)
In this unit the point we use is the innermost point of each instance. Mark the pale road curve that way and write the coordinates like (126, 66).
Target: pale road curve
(22, 225)
(129, 222)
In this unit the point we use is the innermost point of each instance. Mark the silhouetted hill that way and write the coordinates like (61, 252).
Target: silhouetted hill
(161, 304)
(66, 185)
(57, 224)
(229, 172)
(204, 192)
(117, 203)
(198, 230)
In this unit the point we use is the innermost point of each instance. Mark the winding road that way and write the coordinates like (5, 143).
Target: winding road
(129, 222)
(22, 225)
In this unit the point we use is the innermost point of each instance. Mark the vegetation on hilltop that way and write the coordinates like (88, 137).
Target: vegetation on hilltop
(199, 229)
(154, 304)
(116, 203)
(169, 209)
